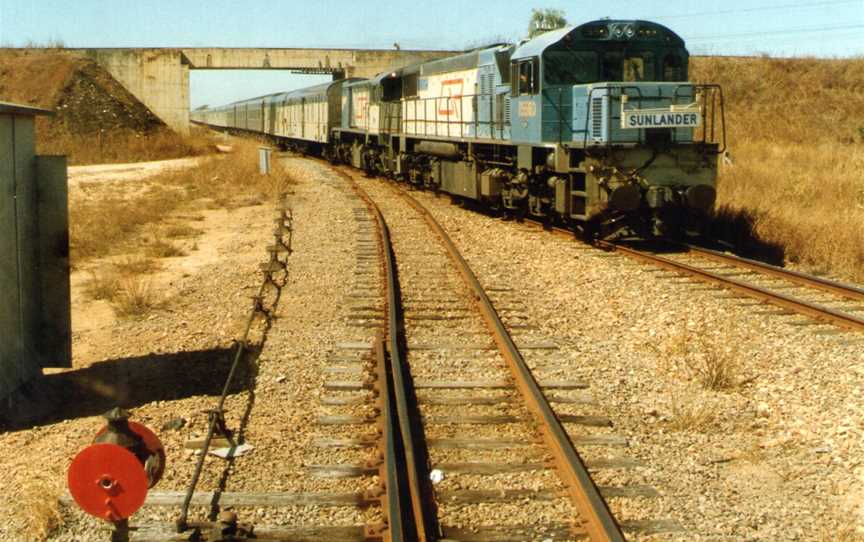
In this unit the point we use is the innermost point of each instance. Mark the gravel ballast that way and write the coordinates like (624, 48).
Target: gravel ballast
(776, 456)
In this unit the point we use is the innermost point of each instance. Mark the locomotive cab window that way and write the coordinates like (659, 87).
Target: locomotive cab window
(525, 80)
(628, 67)
(634, 69)
(673, 68)
(409, 86)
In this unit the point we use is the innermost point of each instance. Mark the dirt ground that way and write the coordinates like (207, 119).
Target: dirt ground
(177, 353)
(139, 171)
(740, 466)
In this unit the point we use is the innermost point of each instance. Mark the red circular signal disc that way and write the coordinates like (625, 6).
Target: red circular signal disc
(153, 445)
(107, 481)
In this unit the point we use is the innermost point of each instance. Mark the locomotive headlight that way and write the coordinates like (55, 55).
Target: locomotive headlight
(629, 31)
(618, 32)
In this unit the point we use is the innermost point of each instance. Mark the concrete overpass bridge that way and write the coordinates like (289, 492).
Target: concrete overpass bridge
(159, 77)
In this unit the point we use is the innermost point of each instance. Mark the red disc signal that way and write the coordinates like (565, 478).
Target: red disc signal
(107, 481)
(156, 464)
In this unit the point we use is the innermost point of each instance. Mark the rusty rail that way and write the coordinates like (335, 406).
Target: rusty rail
(597, 520)
(802, 279)
(420, 512)
(397, 526)
(818, 312)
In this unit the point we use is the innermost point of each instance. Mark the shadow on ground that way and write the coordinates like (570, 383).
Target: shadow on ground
(125, 382)
(736, 229)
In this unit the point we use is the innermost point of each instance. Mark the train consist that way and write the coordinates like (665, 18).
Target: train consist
(595, 127)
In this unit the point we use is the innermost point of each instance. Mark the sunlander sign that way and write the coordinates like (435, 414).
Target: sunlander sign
(660, 118)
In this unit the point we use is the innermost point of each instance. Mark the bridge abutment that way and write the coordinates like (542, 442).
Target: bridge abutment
(159, 77)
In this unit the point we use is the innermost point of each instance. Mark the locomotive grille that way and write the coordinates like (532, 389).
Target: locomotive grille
(507, 109)
(486, 83)
(597, 117)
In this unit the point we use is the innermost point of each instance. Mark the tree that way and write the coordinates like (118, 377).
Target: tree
(544, 20)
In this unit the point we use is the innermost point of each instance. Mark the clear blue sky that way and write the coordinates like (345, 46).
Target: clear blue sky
(831, 28)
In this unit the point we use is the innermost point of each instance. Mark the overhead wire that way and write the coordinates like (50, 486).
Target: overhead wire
(800, 30)
(756, 9)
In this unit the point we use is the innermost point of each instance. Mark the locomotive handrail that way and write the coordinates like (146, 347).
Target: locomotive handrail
(434, 121)
(716, 91)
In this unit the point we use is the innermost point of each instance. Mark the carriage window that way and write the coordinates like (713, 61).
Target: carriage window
(673, 68)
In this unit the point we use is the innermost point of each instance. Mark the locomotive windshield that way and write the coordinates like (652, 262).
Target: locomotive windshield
(628, 66)
(566, 66)
(571, 67)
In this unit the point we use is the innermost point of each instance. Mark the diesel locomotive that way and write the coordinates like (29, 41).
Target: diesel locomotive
(594, 127)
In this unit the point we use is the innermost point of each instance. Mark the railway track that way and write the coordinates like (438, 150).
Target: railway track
(823, 301)
(481, 427)
(438, 418)
(457, 406)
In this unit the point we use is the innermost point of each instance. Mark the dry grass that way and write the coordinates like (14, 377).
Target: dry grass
(104, 225)
(703, 355)
(714, 364)
(130, 227)
(121, 146)
(124, 288)
(134, 265)
(111, 224)
(135, 298)
(105, 284)
(691, 414)
(160, 248)
(796, 137)
(180, 231)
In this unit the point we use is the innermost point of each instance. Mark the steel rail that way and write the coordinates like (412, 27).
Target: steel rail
(397, 530)
(812, 310)
(422, 516)
(597, 520)
(803, 279)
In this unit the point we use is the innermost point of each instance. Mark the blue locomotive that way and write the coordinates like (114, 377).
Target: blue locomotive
(594, 127)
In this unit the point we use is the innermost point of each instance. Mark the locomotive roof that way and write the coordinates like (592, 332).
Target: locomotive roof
(299, 93)
(599, 30)
(465, 61)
